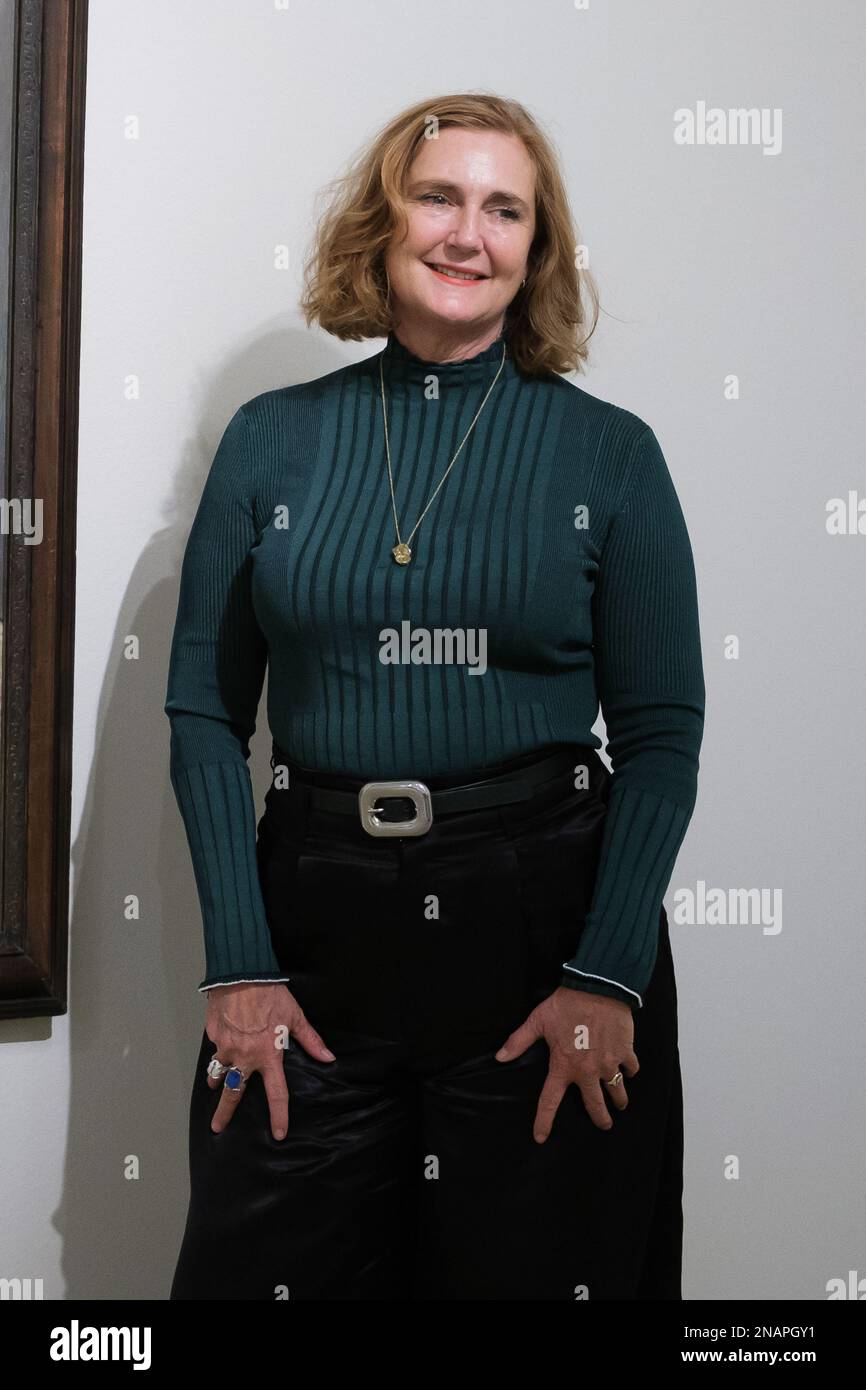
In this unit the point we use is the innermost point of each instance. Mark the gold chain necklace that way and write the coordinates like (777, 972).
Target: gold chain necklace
(402, 552)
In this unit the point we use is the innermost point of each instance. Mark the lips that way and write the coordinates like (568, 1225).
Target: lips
(455, 279)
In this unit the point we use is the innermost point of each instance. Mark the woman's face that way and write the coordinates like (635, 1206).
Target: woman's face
(470, 203)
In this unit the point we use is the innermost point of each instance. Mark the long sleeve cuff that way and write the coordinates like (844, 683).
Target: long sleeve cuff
(216, 803)
(269, 979)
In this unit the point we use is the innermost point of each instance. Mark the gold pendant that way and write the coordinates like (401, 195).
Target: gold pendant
(402, 554)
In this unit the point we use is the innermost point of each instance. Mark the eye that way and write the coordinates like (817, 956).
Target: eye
(510, 214)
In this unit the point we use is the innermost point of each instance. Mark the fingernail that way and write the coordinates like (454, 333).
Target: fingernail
(330, 1055)
(501, 1055)
(279, 1134)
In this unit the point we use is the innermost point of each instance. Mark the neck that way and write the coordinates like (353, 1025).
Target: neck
(404, 367)
(446, 343)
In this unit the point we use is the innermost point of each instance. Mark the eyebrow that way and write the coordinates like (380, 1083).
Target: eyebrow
(440, 185)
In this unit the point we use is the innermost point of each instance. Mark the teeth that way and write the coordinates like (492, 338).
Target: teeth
(457, 275)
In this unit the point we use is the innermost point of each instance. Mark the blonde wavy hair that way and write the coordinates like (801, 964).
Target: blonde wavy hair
(346, 289)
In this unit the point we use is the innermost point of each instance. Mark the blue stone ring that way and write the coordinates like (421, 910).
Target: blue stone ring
(235, 1078)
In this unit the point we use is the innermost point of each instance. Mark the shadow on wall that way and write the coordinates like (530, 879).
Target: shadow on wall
(135, 1015)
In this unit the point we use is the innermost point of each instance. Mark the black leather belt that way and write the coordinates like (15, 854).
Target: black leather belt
(377, 819)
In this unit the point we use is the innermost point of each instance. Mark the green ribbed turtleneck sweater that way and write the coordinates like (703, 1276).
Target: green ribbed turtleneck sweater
(558, 532)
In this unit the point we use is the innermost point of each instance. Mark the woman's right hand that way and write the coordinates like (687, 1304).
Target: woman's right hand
(251, 1024)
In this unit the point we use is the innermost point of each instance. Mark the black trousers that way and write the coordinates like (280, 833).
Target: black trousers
(410, 1170)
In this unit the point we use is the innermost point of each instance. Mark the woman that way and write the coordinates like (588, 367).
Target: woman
(440, 1057)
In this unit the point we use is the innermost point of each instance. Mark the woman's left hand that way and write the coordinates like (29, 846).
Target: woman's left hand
(590, 1037)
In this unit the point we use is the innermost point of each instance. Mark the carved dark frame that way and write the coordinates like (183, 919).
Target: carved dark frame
(42, 393)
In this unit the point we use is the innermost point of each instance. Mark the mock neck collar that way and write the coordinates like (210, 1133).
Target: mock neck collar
(401, 365)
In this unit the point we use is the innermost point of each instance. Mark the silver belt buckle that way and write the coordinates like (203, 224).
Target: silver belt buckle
(419, 792)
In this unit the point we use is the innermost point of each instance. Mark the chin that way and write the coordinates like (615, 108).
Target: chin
(449, 305)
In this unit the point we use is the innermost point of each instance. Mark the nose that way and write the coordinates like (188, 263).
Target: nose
(465, 234)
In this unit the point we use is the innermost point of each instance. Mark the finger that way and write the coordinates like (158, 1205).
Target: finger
(277, 1093)
(216, 1081)
(593, 1101)
(548, 1103)
(616, 1091)
(310, 1040)
(229, 1101)
(518, 1041)
(630, 1064)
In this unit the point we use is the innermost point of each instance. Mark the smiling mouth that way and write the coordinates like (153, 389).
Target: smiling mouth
(466, 277)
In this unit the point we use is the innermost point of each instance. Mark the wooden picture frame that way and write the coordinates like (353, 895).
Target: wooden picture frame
(42, 90)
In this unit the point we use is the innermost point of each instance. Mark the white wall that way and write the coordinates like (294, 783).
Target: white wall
(711, 260)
